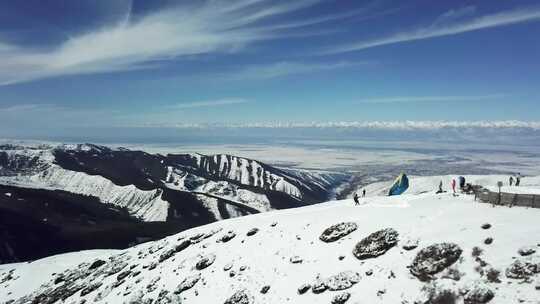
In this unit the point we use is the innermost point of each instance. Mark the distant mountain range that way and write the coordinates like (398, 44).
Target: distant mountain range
(70, 197)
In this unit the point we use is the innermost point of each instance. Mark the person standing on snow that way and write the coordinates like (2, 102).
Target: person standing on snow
(453, 183)
(511, 180)
(364, 193)
(355, 198)
(518, 179)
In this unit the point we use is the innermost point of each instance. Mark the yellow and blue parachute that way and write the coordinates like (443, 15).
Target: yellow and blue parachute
(400, 185)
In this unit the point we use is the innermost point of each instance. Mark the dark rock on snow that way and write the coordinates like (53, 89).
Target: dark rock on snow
(172, 251)
(227, 237)
(434, 259)
(434, 294)
(240, 297)
(486, 226)
(376, 244)
(88, 289)
(122, 275)
(337, 231)
(521, 269)
(525, 251)
(478, 295)
(410, 244)
(188, 283)
(205, 261)
(488, 241)
(165, 297)
(252, 231)
(319, 286)
(304, 288)
(265, 289)
(227, 266)
(96, 264)
(296, 259)
(342, 280)
(341, 298)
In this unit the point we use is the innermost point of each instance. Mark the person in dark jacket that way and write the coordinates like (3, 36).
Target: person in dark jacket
(518, 179)
(355, 198)
(511, 181)
(440, 188)
(364, 193)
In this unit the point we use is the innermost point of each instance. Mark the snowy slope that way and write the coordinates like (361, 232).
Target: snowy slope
(146, 205)
(210, 264)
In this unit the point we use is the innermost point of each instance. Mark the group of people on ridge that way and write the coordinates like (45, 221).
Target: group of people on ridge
(513, 181)
(517, 179)
(453, 185)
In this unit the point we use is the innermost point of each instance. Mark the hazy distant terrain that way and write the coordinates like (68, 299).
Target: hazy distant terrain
(371, 161)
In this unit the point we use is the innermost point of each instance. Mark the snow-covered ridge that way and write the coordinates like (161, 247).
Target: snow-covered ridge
(146, 205)
(415, 248)
(139, 181)
(35, 168)
(245, 171)
(252, 173)
(15, 160)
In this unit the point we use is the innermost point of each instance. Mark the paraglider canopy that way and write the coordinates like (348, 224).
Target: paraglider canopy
(400, 185)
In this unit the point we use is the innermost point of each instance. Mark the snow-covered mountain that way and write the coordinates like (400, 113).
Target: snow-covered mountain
(414, 248)
(186, 190)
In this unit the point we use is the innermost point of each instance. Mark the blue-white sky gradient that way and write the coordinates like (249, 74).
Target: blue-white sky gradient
(100, 66)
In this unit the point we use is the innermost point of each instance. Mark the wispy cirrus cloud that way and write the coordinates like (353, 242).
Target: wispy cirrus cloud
(210, 103)
(362, 14)
(285, 68)
(185, 30)
(21, 107)
(412, 99)
(450, 23)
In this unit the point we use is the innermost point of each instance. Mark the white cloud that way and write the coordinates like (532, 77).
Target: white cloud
(210, 103)
(189, 29)
(409, 99)
(17, 108)
(373, 125)
(285, 68)
(443, 27)
(361, 14)
(455, 14)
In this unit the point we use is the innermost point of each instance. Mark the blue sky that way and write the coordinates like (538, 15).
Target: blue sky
(99, 65)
